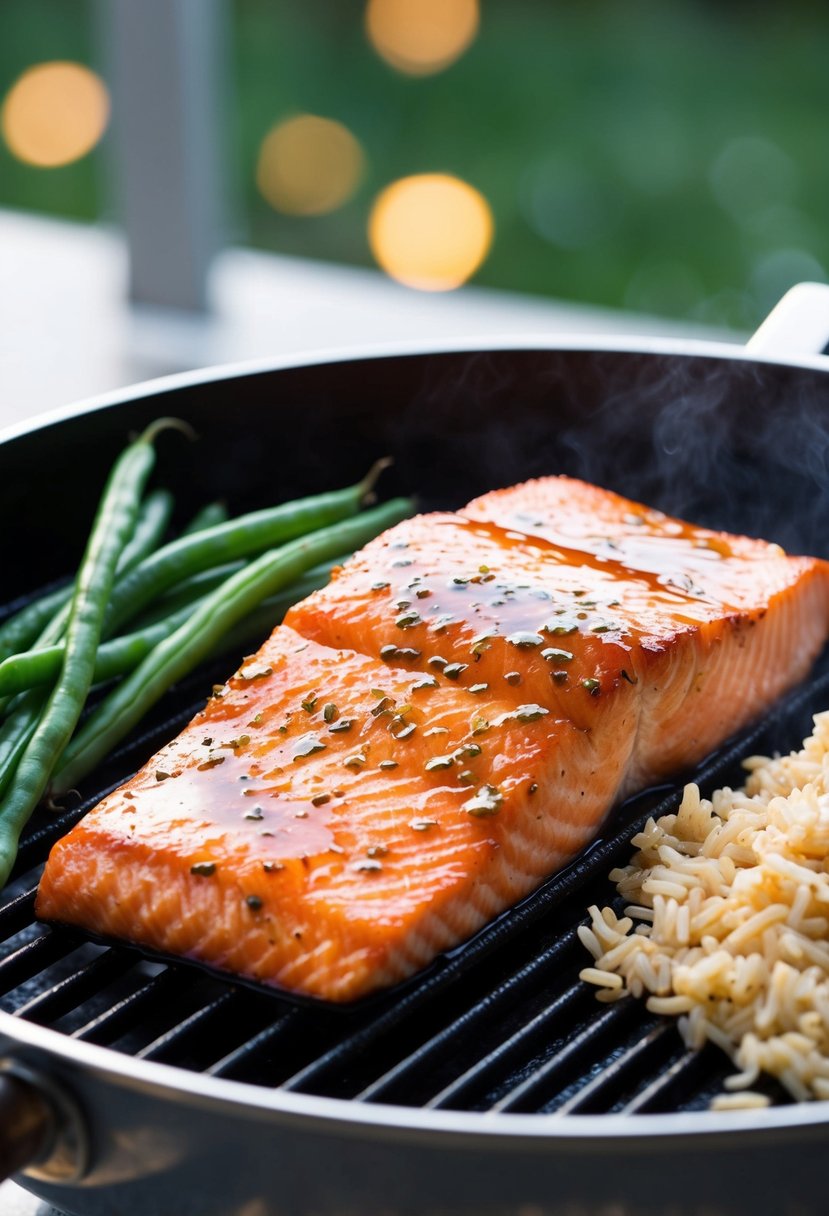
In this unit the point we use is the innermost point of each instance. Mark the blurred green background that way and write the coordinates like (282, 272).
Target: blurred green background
(667, 157)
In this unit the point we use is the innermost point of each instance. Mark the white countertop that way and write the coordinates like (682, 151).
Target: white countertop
(66, 332)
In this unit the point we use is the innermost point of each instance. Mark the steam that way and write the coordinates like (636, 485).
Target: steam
(732, 444)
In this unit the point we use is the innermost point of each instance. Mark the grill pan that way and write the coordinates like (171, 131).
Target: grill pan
(493, 1083)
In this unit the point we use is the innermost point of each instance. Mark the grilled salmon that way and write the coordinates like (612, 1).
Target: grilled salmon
(436, 731)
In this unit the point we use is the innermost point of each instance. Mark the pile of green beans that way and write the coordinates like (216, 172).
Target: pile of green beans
(141, 614)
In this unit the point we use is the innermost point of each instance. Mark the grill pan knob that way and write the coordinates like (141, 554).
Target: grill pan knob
(27, 1125)
(42, 1130)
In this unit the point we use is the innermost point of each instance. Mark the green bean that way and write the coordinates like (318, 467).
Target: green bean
(188, 591)
(241, 537)
(153, 518)
(16, 732)
(114, 525)
(189, 644)
(150, 527)
(50, 636)
(192, 589)
(260, 622)
(120, 655)
(206, 517)
(21, 630)
(34, 668)
(151, 522)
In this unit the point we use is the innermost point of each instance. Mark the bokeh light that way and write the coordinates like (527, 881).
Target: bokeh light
(775, 272)
(54, 113)
(309, 165)
(566, 205)
(665, 288)
(421, 36)
(431, 231)
(750, 174)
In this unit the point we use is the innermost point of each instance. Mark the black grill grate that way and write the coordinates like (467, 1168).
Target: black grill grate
(502, 1023)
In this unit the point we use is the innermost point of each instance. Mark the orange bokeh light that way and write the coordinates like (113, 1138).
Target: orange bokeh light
(309, 165)
(54, 114)
(421, 36)
(431, 231)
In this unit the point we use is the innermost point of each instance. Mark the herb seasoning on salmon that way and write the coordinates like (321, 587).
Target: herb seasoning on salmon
(676, 636)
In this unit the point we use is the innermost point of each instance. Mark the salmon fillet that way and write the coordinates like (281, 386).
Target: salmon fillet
(435, 732)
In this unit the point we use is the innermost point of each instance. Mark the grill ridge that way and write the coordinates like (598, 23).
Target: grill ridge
(501, 1023)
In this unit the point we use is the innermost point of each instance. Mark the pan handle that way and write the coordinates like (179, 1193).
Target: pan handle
(42, 1130)
(798, 325)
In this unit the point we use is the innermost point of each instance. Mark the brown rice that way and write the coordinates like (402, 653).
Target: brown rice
(727, 923)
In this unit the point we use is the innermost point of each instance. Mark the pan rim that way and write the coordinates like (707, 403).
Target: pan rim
(343, 1116)
(586, 343)
(223, 1097)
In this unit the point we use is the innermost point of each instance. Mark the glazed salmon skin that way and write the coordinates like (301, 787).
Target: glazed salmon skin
(439, 729)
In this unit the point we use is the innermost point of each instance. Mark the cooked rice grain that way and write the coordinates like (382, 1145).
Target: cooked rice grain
(726, 923)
